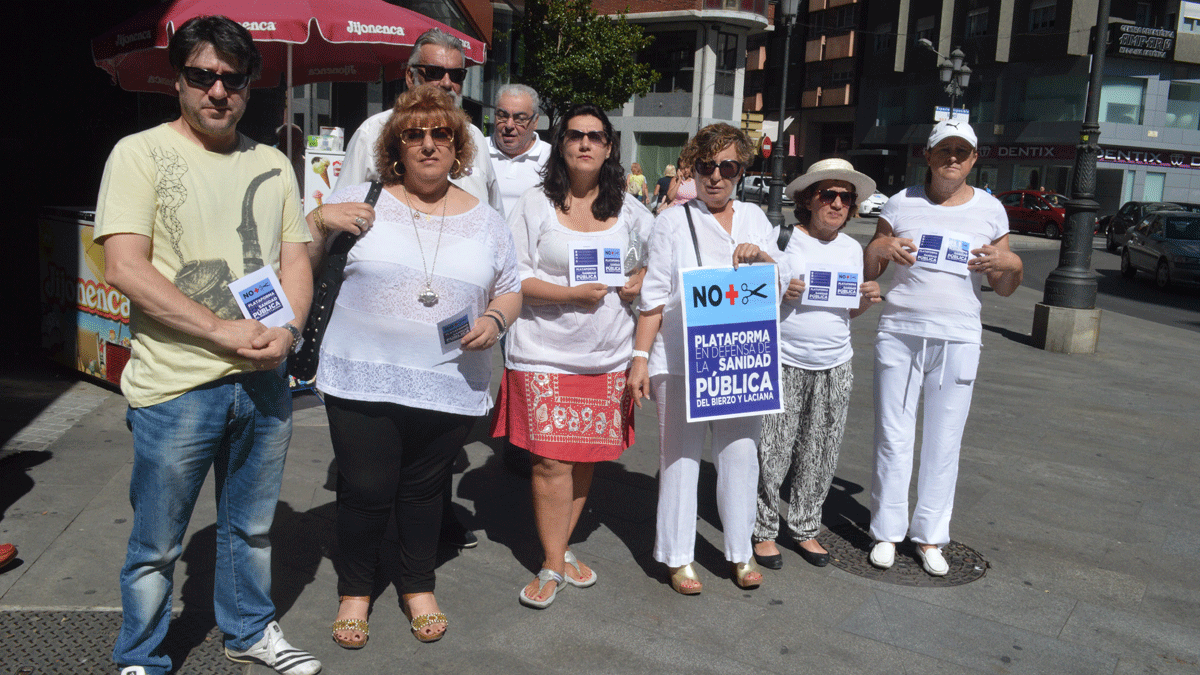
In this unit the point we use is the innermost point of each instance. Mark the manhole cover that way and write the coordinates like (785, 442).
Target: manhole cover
(849, 545)
(81, 643)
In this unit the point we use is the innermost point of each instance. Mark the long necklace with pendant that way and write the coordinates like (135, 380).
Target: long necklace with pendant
(428, 297)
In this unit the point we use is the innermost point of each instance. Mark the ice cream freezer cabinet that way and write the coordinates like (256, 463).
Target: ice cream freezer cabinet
(85, 322)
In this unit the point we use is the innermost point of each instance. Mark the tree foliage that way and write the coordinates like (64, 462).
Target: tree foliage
(573, 55)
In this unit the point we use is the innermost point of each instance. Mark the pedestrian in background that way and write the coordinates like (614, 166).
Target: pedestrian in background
(661, 186)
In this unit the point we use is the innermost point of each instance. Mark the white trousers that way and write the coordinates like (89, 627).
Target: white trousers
(904, 364)
(735, 454)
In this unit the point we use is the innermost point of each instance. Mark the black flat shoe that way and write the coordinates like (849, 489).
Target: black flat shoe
(815, 559)
(771, 562)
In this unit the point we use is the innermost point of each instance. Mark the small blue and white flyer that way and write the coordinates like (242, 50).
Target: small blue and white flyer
(944, 250)
(453, 329)
(596, 262)
(832, 286)
(260, 297)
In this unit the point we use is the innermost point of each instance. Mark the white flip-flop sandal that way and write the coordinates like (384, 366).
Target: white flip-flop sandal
(570, 559)
(544, 576)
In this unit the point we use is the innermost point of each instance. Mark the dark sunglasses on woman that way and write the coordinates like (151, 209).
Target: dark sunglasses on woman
(205, 79)
(416, 135)
(827, 197)
(436, 73)
(594, 137)
(729, 168)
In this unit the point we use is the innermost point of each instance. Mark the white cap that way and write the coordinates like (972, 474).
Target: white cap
(951, 129)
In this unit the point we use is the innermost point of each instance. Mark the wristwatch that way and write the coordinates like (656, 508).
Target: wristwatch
(297, 338)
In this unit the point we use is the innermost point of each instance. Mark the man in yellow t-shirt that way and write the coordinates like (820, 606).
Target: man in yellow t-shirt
(186, 208)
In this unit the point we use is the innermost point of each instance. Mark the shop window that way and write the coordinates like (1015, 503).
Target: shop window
(1042, 14)
(1152, 191)
(885, 38)
(1183, 106)
(977, 22)
(1122, 100)
(1054, 98)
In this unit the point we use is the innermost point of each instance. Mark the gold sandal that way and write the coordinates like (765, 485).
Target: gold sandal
(422, 620)
(743, 570)
(685, 573)
(359, 625)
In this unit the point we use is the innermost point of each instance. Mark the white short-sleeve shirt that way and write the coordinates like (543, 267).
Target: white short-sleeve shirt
(382, 344)
(931, 303)
(811, 337)
(566, 338)
(671, 250)
(515, 175)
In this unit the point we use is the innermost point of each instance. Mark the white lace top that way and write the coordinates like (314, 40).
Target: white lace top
(382, 344)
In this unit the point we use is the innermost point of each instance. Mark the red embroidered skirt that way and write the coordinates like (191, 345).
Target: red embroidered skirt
(571, 418)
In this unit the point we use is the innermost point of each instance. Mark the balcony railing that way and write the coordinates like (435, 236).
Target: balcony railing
(823, 97)
(827, 47)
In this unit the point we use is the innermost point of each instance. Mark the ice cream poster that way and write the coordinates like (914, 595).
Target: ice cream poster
(731, 341)
(321, 170)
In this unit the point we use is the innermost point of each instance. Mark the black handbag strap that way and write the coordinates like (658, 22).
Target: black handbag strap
(695, 241)
(345, 241)
(785, 234)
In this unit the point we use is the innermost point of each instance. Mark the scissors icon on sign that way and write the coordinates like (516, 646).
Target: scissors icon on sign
(752, 292)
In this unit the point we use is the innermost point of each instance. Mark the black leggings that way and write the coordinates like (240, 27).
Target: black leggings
(390, 456)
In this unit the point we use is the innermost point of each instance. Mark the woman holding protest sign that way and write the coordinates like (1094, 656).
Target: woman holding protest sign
(945, 237)
(563, 395)
(712, 230)
(815, 356)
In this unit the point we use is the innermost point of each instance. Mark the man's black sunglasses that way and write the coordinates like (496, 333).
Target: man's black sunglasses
(435, 73)
(204, 79)
(729, 168)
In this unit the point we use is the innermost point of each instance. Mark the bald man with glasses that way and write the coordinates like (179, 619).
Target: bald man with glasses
(517, 153)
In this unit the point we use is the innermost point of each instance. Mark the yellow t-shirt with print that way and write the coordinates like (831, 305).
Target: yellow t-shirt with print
(211, 218)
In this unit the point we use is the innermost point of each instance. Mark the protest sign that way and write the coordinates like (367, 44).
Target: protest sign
(832, 286)
(944, 250)
(260, 297)
(596, 262)
(731, 341)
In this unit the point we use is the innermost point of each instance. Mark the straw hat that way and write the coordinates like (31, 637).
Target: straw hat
(832, 169)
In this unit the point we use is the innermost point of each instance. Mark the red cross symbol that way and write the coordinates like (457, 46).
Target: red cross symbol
(732, 294)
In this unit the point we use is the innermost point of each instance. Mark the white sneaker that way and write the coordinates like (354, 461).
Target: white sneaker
(133, 670)
(275, 652)
(933, 561)
(883, 555)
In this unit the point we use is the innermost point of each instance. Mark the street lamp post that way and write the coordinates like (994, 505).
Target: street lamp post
(1067, 319)
(954, 71)
(788, 9)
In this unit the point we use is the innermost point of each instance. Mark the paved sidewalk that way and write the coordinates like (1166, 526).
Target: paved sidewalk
(1077, 484)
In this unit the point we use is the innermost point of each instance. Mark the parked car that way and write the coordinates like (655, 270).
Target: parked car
(1034, 211)
(1130, 214)
(757, 189)
(871, 206)
(1166, 244)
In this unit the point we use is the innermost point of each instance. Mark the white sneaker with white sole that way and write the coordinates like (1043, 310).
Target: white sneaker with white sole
(274, 652)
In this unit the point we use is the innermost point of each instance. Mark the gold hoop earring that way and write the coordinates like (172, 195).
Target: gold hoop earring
(397, 168)
(457, 166)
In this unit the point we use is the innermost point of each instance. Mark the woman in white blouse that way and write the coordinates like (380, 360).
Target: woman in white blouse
(726, 231)
(563, 396)
(406, 362)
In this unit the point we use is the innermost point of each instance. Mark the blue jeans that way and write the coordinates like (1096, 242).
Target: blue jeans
(241, 425)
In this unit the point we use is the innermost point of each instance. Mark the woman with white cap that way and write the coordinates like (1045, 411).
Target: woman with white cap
(944, 237)
(815, 356)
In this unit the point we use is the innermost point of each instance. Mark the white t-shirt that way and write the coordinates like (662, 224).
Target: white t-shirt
(671, 250)
(382, 344)
(566, 338)
(358, 165)
(517, 174)
(816, 338)
(931, 303)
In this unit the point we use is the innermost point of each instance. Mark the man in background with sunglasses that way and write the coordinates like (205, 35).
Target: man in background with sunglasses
(438, 58)
(184, 209)
(517, 153)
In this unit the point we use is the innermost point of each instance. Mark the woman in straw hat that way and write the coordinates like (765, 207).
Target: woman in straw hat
(815, 356)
